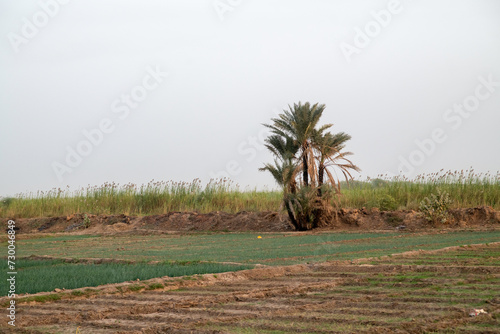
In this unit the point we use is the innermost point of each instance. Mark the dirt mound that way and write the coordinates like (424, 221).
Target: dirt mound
(475, 216)
(341, 220)
(217, 221)
(374, 219)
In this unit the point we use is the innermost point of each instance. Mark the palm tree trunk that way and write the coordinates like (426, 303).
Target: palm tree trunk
(291, 216)
(318, 215)
(318, 212)
(305, 173)
(293, 187)
(321, 176)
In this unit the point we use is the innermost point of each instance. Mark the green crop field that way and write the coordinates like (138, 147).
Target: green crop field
(188, 254)
(247, 248)
(47, 275)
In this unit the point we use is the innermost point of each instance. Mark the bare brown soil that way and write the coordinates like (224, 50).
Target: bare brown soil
(365, 296)
(344, 219)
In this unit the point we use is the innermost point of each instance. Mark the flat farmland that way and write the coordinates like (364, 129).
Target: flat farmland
(270, 249)
(333, 283)
(75, 261)
(420, 292)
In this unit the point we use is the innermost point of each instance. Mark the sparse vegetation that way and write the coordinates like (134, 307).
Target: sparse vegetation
(155, 286)
(135, 287)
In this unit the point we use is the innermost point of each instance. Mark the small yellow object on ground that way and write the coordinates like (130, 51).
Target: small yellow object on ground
(259, 237)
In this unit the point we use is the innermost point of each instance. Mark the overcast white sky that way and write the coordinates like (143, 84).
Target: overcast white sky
(230, 68)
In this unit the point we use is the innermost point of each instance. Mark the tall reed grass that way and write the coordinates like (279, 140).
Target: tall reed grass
(156, 197)
(466, 189)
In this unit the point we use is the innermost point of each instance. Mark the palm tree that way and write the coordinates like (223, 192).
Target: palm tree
(284, 170)
(284, 175)
(299, 146)
(329, 147)
(285, 150)
(299, 124)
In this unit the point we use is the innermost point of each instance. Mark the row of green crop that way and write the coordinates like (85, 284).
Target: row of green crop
(465, 189)
(46, 275)
(247, 248)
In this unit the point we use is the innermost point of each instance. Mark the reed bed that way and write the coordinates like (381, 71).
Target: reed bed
(156, 197)
(465, 188)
